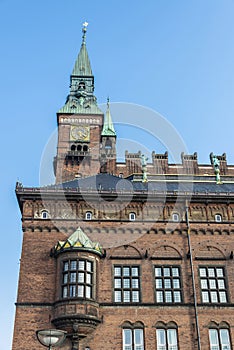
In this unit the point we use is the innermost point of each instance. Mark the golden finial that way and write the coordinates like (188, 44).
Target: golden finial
(84, 30)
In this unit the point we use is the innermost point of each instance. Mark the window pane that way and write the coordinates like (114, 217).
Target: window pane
(167, 283)
(166, 271)
(126, 283)
(158, 271)
(72, 291)
(135, 271)
(73, 265)
(177, 297)
(225, 340)
(81, 291)
(81, 265)
(65, 278)
(213, 335)
(89, 266)
(88, 292)
(117, 283)
(88, 278)
(127, 334)
(159, 297)
(176, 283)
(211, 272)
(202, 272)
(219, 272)
(118, 296)
(161, 338)
(135, 283)
(214, 297)
(126, 271)
(168, 297)
(64, 293)
(223, 297)
(175, 271)
(81, 277)
(212, 284)
(138, 339)
(221, 284)
(204, 284)
(205, 297)
(117, 271)
(135, 296)
(158, 283)
(126, 296)
(65, 266)
(172, 338)
(73, 277)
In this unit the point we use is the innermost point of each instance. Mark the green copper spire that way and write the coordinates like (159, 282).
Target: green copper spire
(81, 99)
(108, 127)
(82, 64)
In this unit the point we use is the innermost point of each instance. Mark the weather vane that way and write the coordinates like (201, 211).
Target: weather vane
(84, 30)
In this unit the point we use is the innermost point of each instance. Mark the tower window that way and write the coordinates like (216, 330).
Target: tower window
(79, 148)
(132, 216)
(73, 147)
(218, 217)
(44, 214)
(85, 148)
(168, 284)
(77, 279)
(213, 284)
(88, 215)
(126, 284)
(175, 217)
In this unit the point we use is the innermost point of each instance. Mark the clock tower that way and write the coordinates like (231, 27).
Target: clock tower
(80, 124)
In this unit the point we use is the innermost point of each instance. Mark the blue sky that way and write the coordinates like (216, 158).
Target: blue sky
(176, 57)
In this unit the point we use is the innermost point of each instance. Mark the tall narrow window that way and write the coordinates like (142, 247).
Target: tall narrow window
(77, 279)
(126, 284)
(167, 339)
(132, 216)
(168, 284)
(218, 217)
(133, 339)
(213, 284)
(219, 339)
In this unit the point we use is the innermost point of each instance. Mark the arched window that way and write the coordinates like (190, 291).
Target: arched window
(175, 217)
(44, 214)
(132, 216)
(218, 217)
(133, 336)
(73, 147)
(85, 148)
(108, 144)
(219, 336)
(79, 148)
(166, 336)
(88, 215)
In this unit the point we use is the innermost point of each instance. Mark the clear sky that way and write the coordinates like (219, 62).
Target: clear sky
(176, 57)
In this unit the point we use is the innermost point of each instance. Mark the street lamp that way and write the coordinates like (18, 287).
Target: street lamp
(51, 337)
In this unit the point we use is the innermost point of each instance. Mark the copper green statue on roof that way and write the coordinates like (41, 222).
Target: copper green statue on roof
(81, 98)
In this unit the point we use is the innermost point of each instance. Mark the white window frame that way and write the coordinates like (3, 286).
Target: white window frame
(218, 218)
(44, 214)
(167, 343)
(219, 344)
(175, 217)
(88, 215)
(132, 216)
(132, 345)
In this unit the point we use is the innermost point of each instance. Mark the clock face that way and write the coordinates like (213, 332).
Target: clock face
(79, 133)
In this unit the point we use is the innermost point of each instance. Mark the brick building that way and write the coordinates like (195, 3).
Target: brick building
(129, 256)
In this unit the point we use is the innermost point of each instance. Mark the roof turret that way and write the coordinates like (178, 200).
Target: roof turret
(108, 127)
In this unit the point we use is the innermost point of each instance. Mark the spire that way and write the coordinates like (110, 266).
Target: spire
(108, 127)
(82, 65)
(81, 98)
